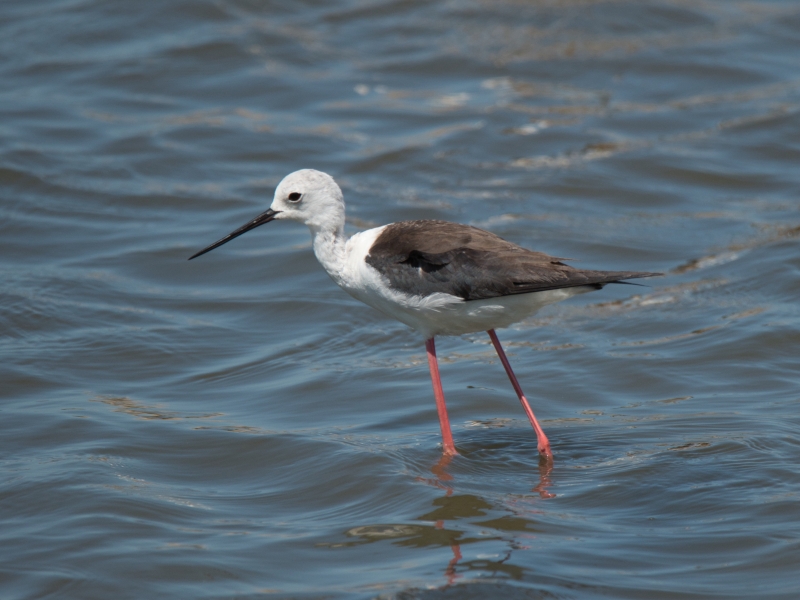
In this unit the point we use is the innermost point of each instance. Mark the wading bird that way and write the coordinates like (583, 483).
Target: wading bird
(437, 277)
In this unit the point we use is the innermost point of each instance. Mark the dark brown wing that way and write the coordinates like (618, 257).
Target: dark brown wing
(424, 257)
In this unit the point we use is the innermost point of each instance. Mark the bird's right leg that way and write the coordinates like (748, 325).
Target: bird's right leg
(447, 436)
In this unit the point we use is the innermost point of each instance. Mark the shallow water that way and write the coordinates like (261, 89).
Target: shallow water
(239, 427)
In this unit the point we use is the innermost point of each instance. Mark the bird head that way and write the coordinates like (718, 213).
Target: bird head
(307, 196)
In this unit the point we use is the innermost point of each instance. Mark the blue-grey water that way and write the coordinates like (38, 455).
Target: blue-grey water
(238, 427)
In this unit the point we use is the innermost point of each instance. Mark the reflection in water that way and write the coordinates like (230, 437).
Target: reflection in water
(450, 571)
(545, 468)
(441, 475)
(470, 512)
(452, 507)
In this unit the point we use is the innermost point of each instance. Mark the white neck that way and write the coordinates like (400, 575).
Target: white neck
(329, 248)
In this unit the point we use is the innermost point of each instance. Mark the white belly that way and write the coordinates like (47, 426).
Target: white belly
(443, 314)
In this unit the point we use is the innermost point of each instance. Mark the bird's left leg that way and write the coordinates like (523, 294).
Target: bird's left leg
(543, 444)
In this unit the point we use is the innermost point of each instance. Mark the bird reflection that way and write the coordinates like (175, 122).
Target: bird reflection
(470, 513)
(456, 509)
(442, 478)
(545, 469)
(450, 572)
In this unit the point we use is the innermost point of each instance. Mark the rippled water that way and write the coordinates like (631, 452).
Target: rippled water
(239, 427)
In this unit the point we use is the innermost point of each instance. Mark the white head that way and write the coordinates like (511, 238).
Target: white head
(310, 197)
(307, 196)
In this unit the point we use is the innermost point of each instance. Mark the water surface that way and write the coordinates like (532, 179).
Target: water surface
(238, 427)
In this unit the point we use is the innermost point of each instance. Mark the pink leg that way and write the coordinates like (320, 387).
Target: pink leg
(447, 437)
(543, 443)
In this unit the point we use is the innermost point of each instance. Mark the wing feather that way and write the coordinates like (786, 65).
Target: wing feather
(424, 257)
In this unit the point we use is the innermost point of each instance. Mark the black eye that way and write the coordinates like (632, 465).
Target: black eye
(295, 196)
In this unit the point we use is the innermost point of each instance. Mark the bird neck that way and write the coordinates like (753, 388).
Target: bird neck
(329, 248)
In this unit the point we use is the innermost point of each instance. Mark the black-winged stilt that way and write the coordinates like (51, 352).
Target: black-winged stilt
(438, 278)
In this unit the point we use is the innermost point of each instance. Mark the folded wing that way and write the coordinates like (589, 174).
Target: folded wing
(421, 258)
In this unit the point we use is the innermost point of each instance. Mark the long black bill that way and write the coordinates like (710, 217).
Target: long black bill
(264, 217)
